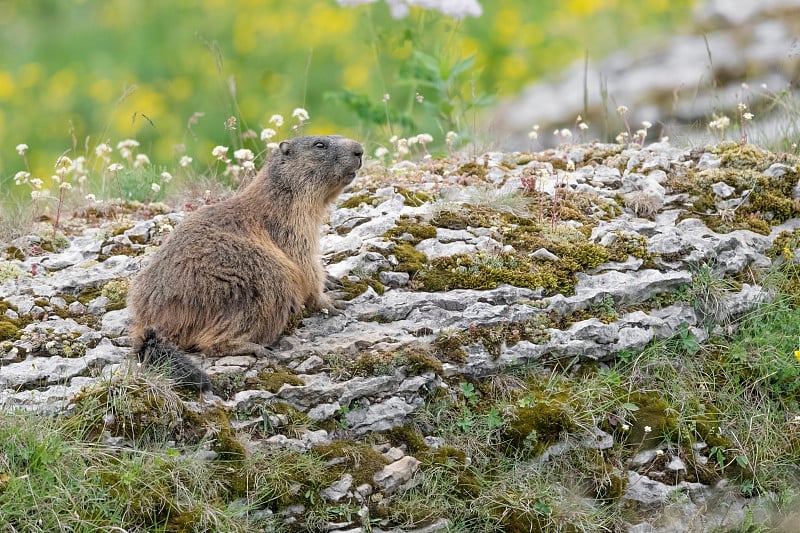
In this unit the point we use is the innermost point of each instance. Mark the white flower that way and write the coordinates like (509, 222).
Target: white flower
(425, 138)
(63, 161)
(583, 126)
(141, 160)
(65, 185)
(220, 152)
(300, 114)
(277, 120)
(381, 152)
(647, 124)
(747, 116)
(56, 178)
(243, 154)
(36, 183)
(565, 133)
(272, 146)
(91, 197)
(451, 137)
(741, 107)
(413, 140)
(625, 427)
(386, 98)
(82, 179)
(127, 143)
(21, 177)
(719, 123)
(648, 429)
(393, 139)
(22, 148)
(659, 453)
(102, 149)
(35, 195)
(267, 134)
(533, 135)
(622, 109)
(115, 167)
(248, 165)
(185, 161)
(166, 177)
(457, 9)
(155, 187)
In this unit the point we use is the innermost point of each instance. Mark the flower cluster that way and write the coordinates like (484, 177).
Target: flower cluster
(457, 9)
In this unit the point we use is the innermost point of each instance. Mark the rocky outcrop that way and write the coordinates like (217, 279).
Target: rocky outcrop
(467, 287)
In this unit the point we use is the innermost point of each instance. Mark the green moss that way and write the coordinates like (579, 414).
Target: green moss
(449, 346)
(768, 202)
(88, 294)
(353, 289)
(473, 169)
(653, 412)
(8, 330)
(534, 429)
(273, 380)
(409, 258)
(356, 201)
(407, 227)
(54, 243)
(116, 291)
(629, 244)
(774, 204)
(413, 198)
(408, 437)
(12, 252)
(358, 460)
(414, 358)
(487, 271)
(9, 271)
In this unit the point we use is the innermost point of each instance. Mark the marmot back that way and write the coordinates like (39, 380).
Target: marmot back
(231, 275)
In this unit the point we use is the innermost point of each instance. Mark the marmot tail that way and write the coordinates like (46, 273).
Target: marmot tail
(173, 361)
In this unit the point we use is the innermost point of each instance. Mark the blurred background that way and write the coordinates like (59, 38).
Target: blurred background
(75, 73)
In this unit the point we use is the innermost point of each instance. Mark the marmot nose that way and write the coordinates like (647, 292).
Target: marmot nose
(358, 151)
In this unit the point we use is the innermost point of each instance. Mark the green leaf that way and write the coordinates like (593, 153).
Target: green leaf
(630, 406)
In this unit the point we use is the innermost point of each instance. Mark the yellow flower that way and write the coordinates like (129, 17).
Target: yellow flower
(787, 253)
(797, 354)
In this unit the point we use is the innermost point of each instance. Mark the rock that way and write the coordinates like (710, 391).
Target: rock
(545, 254)
(114, 322)
(323, 411)
(395, 475)
(648, 493)
(98, 305)
(435, 249)
(338, 490)
(722, 189)
(382, 416)
(708, 160)
(394, 279)
(76, 308)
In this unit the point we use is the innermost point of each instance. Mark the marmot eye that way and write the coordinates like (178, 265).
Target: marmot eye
(319, 144)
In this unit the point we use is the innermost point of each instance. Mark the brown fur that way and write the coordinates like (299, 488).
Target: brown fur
(231, 275)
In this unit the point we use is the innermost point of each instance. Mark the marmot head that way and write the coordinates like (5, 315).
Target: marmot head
(317, 166)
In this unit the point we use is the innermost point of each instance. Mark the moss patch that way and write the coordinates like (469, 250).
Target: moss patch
(353, 289)
(413, 198)
(410, 231)
(487, 271)
(535, 428)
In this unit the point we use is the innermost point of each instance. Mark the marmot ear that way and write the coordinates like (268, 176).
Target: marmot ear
(284, 147)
